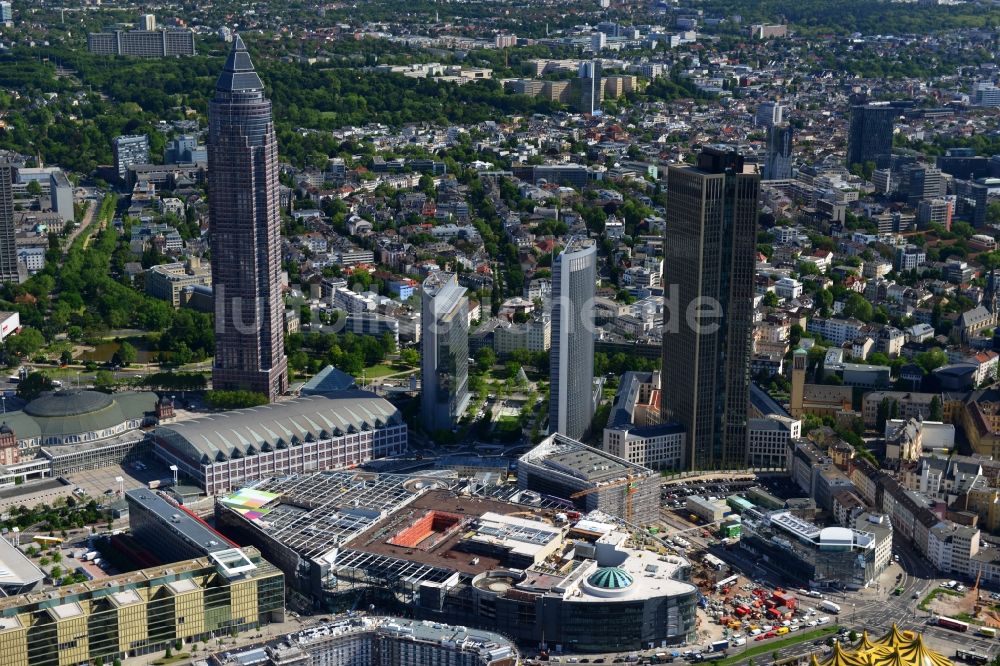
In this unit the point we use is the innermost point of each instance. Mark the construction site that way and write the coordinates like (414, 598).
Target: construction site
(964, 609)
(447, 552)
(594, 480)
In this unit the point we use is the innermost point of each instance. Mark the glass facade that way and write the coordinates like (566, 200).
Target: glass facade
(805, 562)
(8, 249)
(445, 346)
(708, 279)
(870, 135)
(131, 615)
(571, 362)
(245, 233)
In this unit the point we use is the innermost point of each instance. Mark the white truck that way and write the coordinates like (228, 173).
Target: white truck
(829, 606)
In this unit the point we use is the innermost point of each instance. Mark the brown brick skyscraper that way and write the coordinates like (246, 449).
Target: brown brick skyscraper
(245, 233)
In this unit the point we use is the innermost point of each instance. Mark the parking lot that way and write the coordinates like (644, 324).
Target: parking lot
(97, 482)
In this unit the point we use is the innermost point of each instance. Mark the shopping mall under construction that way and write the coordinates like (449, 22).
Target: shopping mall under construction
(505, 559)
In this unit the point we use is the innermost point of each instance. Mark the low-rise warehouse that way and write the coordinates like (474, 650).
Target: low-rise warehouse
(710, 511)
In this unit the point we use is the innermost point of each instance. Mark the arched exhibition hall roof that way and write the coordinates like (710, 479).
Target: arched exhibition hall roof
(246, 432)
(74, 412)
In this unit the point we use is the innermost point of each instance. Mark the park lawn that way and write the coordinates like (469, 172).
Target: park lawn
(507, 423)
(181, 656)
(767, 647)
(507, 429)
(381, 370)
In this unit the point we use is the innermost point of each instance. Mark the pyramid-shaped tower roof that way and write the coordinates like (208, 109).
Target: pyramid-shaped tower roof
(239, 73)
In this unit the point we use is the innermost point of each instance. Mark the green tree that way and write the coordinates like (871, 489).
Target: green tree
(235, 399)
(936, 412)
(882, 414)
(931, 359)
(510, 369)
(104, 380)
(409, 357)
(486, 358)
(33, 385)
(28, 341)
(878, 358)
(126, 354)
(858, 307)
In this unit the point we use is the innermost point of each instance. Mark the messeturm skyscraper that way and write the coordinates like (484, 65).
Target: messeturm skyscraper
(245, 233)
(8, 248)
(708, 276)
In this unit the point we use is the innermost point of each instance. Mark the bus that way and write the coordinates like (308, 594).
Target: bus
(43, 540)
(971, 657)
(953, 624)
(988, 632)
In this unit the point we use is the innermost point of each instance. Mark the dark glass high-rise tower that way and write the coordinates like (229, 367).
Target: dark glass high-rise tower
(245, 233)
(778, 163)
(709, 269)
(8, 249)
(444, 391)
(870, 135)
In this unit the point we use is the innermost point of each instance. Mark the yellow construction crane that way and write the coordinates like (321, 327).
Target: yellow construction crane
(628, 482)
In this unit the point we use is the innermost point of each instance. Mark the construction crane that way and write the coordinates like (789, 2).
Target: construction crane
(630, 487)
(977, 604)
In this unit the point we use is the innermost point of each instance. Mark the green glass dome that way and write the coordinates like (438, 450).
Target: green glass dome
(610, 578)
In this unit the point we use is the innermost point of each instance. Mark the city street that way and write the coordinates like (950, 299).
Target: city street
(873, 609)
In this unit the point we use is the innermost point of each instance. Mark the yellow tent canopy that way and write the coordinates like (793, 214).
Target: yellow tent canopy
(895, 637)
(918, 654)
(841, 657)
(896, 648)
(866, 643)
